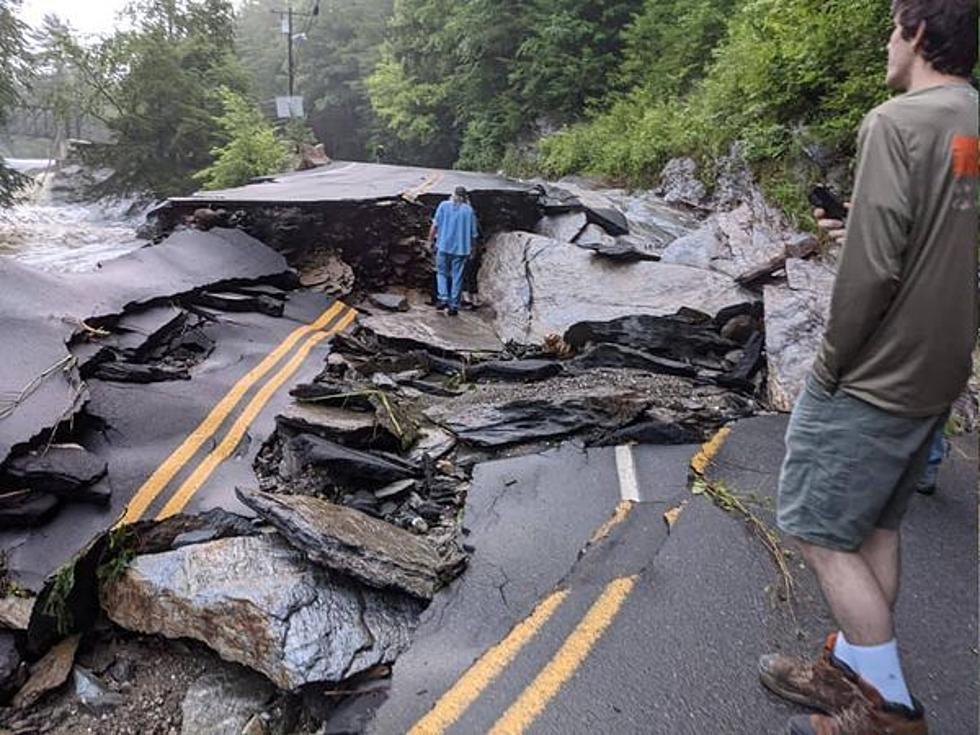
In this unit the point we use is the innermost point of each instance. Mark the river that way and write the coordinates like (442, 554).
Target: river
(54, 235)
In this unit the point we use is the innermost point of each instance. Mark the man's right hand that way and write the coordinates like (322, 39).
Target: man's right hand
(834, 228)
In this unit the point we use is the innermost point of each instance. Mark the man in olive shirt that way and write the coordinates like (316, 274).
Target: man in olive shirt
(896, 354)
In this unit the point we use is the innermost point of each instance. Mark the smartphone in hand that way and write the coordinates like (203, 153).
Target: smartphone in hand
(823, 197)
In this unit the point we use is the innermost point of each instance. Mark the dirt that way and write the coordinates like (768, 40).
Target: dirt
(151, 674)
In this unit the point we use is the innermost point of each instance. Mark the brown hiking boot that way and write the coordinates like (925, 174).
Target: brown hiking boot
(827, 684)
(869, 714)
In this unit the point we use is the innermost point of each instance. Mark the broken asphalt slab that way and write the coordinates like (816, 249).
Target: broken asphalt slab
(137, 427)
(39, 381)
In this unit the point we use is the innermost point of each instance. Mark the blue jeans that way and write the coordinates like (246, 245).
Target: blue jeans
(449, 278)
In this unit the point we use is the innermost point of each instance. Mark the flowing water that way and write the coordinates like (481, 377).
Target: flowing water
(52, 235)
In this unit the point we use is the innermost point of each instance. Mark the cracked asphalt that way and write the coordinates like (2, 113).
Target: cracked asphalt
(656, 628)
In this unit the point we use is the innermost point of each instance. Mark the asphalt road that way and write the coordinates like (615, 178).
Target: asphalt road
(343, 181)
(145, 425)
(654, 628)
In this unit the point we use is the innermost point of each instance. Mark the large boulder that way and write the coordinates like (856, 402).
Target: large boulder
(538, 286)
(796, 316)
(259, 602)
(343, 539)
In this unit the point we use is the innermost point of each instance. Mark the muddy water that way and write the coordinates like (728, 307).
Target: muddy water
(61, 237)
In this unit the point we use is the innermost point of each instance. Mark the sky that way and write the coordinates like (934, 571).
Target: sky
(93, 16)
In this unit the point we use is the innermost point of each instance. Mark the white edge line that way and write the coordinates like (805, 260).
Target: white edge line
(629, 488)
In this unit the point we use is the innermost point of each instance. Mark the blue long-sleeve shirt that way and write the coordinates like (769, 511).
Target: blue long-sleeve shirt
(456, 228)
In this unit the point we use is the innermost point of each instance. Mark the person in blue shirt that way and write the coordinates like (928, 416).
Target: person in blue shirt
(454, 228)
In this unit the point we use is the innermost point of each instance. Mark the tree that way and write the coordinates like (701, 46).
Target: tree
(156, 91)
(250, 149)
(334, 53)
(12, 69)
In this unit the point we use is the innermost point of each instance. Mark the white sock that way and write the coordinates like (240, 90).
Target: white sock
(881, 668)
(842, 651)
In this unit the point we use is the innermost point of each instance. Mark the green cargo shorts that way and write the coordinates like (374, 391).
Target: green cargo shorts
(849, 468)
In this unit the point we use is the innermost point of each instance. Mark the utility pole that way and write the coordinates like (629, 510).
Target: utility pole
(286, 16)
(289, 15)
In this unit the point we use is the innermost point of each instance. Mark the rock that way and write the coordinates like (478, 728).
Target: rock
(427, 329)
(599, 208)
(434, 442)
(390, 301)
(92, 693)
(395, 489)
(259, 602)
(26, 508)
(64, 470)
(350, 428)
(206, 219)
(802, 246)
(154, 537)
(343, 465)
(11, 664)
(326, 271)
(698, 249)
(374, 552)
(311, 156)
(526, 371)
(15, 612)
(224, 702)
(796, 317)
(679, 183)
(562, 227)
(740, 329)
(255, 726)
(625, 249)
(540, 287)
(48, 674)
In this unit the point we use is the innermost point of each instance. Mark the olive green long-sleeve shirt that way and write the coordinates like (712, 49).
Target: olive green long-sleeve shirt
(903, 318)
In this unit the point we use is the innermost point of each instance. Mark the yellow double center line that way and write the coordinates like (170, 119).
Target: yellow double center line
(546, 685)
(162, 476)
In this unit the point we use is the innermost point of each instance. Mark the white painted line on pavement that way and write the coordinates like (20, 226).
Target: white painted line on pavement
(629, 488)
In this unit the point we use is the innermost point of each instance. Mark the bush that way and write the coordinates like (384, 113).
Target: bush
(785, 74)
(251, 147)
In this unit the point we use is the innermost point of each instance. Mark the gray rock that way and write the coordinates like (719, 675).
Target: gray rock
(350, 428)
(259, 602)
(390, 301)
(48, 674)
(92, 693)
(426, 328)
(350, 542)
(224, 702)
(562, 227)
(698, 249)
(540, 287)
(679, 183)
(796, 316)
(625, 248)
(15, 612)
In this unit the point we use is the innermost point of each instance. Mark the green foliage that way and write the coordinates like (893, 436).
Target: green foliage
(468, 83)
(119, 552)
(334, 54)
(776, 75)
(12, 69)
(250, 146)
(155, 86)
